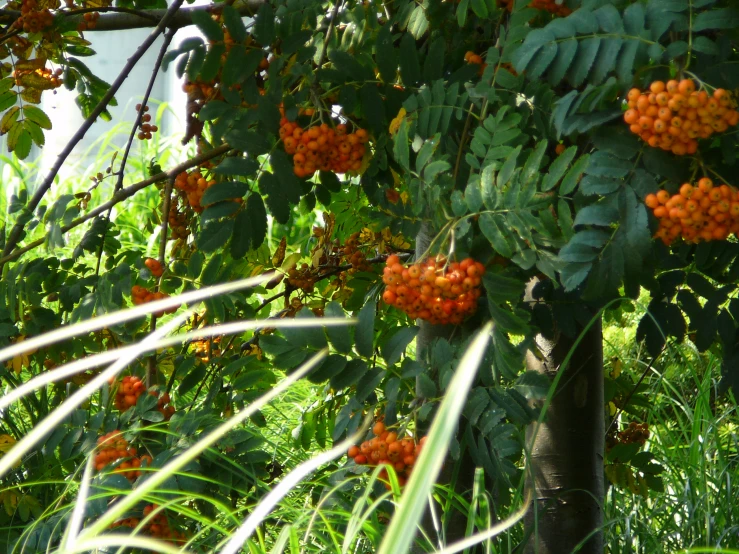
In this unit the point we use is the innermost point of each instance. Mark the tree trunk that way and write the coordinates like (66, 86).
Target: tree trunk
(457, 523)
(567, 452)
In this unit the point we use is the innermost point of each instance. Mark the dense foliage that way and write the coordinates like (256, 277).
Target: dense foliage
(549, 142)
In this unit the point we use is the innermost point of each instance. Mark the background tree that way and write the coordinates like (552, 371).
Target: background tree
(425, 167)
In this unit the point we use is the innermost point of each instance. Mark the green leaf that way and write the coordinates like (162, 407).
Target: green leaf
(426, 386)
(433, 67)
(724, 18)
(508, 168)
(219, 192)
(250, 228)
(704, 45)
(365, 331)
(373, 107)
(289, 185)
(349, 66)
(330, 368)
(557, 168)
(338, 335)
(36, 115)
(234, 23)
(243, 167)
(395, 346)
(473, 197)
(214, 236)
(410, 69)
(278, 205)
(400, 146)
(581, 67)
(496, 233)
(264, 26)
(570, 181)
(386, 55)
(533, 162)
(207, 25)
(603, 164)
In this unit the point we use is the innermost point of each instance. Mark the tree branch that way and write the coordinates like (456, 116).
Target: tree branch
(17, 229)
(119, 19)
(122, 195)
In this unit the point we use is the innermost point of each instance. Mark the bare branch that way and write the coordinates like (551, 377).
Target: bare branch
(122, 195)
(119, 19)
(15, 232)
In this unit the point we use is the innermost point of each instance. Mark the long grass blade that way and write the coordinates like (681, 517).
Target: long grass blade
(176, 464)
(78, 366)
(27, 443)
(495, 530)
(120, 316)
(403, 526)
(105, 542)
(78, 513)
(286, 485)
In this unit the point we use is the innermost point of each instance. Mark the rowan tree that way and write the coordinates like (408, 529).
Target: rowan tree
(535, 163)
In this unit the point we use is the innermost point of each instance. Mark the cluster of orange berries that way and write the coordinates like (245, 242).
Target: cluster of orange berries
(559, 9)
(112, 447)
(32, 19)
(472, 58)
(672, 115)
(158, 526)
(635, 433)
(323, 147)
(89, 21)
(128, 392)
(434, 290)
(303, 278)
(131, 388)
(154, 266)
(178, 223)
(388, 448)
(140, 295)
(53, 77)
(194, 185)
(354, 255)
(146, 128)
(696, 214)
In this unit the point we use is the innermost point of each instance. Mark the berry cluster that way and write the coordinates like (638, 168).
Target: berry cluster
(698, 213)
(472, 58)
(128, 392)
(32, 19)
(302, 278)
(433, 290)
(154, 266)
(140, 295)
(194, 185)
(205, 348)
(559, 9)
(89, 21)
(354, 255)
(178, 223)
(131, 388)
(388, 448)
(164, 407)
(112, 448)
(635, 433)
(130, 522)
(551, 6)
(146, 128)
(672, 115)
(158, 526)
(322, 147)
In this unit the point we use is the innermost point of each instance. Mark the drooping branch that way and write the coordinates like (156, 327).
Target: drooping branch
(122, 195)
(15, 232)
(119, 19)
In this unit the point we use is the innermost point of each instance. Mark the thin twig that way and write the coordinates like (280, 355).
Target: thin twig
(324, 48)
(122, 195)
(30, 208)
(119, 183)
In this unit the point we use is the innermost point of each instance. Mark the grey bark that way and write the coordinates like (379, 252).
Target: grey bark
(566, 461)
